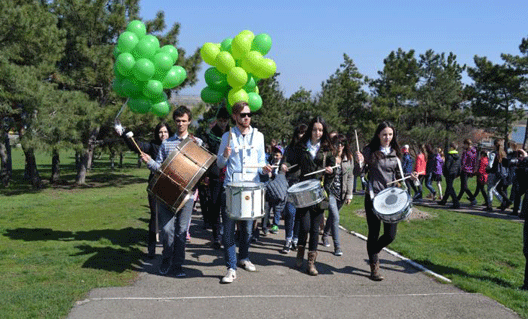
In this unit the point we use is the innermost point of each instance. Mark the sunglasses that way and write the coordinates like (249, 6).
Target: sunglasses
(242, 115)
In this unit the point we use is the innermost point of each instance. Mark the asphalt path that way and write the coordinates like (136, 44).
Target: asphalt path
(277, 290)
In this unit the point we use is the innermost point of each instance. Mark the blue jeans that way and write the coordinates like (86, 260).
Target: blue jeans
(429, 183)
(332, 223)
(173, 231)
(289, 219)
(245, 227)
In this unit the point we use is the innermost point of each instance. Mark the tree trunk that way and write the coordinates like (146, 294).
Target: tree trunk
(6, 170)
(31, 168)
(91, 146)
(82, 168)
(55, 167)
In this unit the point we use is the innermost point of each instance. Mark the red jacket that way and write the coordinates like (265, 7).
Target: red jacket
(482, 176)
(421, 163)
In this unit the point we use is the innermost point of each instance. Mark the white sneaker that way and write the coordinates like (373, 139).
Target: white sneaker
(247, 265)
(229, 277)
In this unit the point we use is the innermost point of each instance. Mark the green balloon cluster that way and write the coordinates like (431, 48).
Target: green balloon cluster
(143, 70)
(237, 65)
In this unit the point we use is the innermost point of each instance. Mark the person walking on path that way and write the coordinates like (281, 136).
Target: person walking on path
(340, 191)
(242, 146)
(316, 153)
(482, 178)
(420, 169)
(451, 172)
(407, 166)
(429, 169)
(173, 226)
(468, 164)
(381, 157)
(161, 133)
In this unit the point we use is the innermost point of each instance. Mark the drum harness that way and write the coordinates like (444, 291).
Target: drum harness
(369, 184)
(242, 148)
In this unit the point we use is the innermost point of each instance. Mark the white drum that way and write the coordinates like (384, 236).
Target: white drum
(245, 200)
(306, 193)
(392, 205)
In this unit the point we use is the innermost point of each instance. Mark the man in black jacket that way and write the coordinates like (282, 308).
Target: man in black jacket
(451, 172)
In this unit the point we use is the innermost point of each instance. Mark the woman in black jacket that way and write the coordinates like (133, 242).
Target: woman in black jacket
(315, 152)
(161, 133)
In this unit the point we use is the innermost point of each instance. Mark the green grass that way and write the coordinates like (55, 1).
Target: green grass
(60, 242)
(478, 253)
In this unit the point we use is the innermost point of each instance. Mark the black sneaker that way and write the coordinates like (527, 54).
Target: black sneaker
(338, 252)
(286, 248)
(217, 245)
(179, 273)
(164, 267)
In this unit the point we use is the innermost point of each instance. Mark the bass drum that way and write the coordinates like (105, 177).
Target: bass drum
(179, 173)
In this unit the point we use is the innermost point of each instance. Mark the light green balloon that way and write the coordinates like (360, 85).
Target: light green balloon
(137, 27)
(125, 63)
(266, 68)
(237, 77)
(237, 95)
(251, 61)
(127, 41)
(160, 109)
(261, 43)
(224, 62)
(209, 52)
(254, 102)
(241, 44)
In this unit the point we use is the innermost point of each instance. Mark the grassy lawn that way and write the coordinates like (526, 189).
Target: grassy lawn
(58, 243)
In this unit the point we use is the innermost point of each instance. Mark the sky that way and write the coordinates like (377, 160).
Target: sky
(310, 37)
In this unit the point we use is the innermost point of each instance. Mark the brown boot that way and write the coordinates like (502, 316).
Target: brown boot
(312, 256)
(374, 271)
(300, 257)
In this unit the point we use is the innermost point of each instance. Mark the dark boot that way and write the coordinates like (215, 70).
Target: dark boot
(300, 257)
(374, 269)
(312, 256)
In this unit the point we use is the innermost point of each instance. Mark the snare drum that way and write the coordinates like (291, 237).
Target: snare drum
(306, 193)
(392, 205)
(179, 173)
(245, 200)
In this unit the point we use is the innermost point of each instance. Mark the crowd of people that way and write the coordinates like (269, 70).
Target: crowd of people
(314, 153)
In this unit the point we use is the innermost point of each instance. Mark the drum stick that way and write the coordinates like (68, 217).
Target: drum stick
(140, 151)
(320, 171)
(260, 166)
(399, 180)
(357, 142)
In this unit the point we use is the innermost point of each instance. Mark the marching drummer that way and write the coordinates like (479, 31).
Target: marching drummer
(173, 226)
(241, 151)
(381, 156)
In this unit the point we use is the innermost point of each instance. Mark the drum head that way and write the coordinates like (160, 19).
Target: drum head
(305, 185)
(246, 185)
(391, 200)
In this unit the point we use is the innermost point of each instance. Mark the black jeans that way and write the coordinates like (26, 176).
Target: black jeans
(450, 191)
(153, 224)
(310, 218)
(216, 189)
(464, 187)
(481, 188)
(375, 243)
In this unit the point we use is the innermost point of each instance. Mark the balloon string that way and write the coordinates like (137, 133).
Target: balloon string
(121, 110)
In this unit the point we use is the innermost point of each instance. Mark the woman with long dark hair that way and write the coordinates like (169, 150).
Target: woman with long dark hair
(161, 133)
(315, 152)
(381, 157)
(341, 191)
